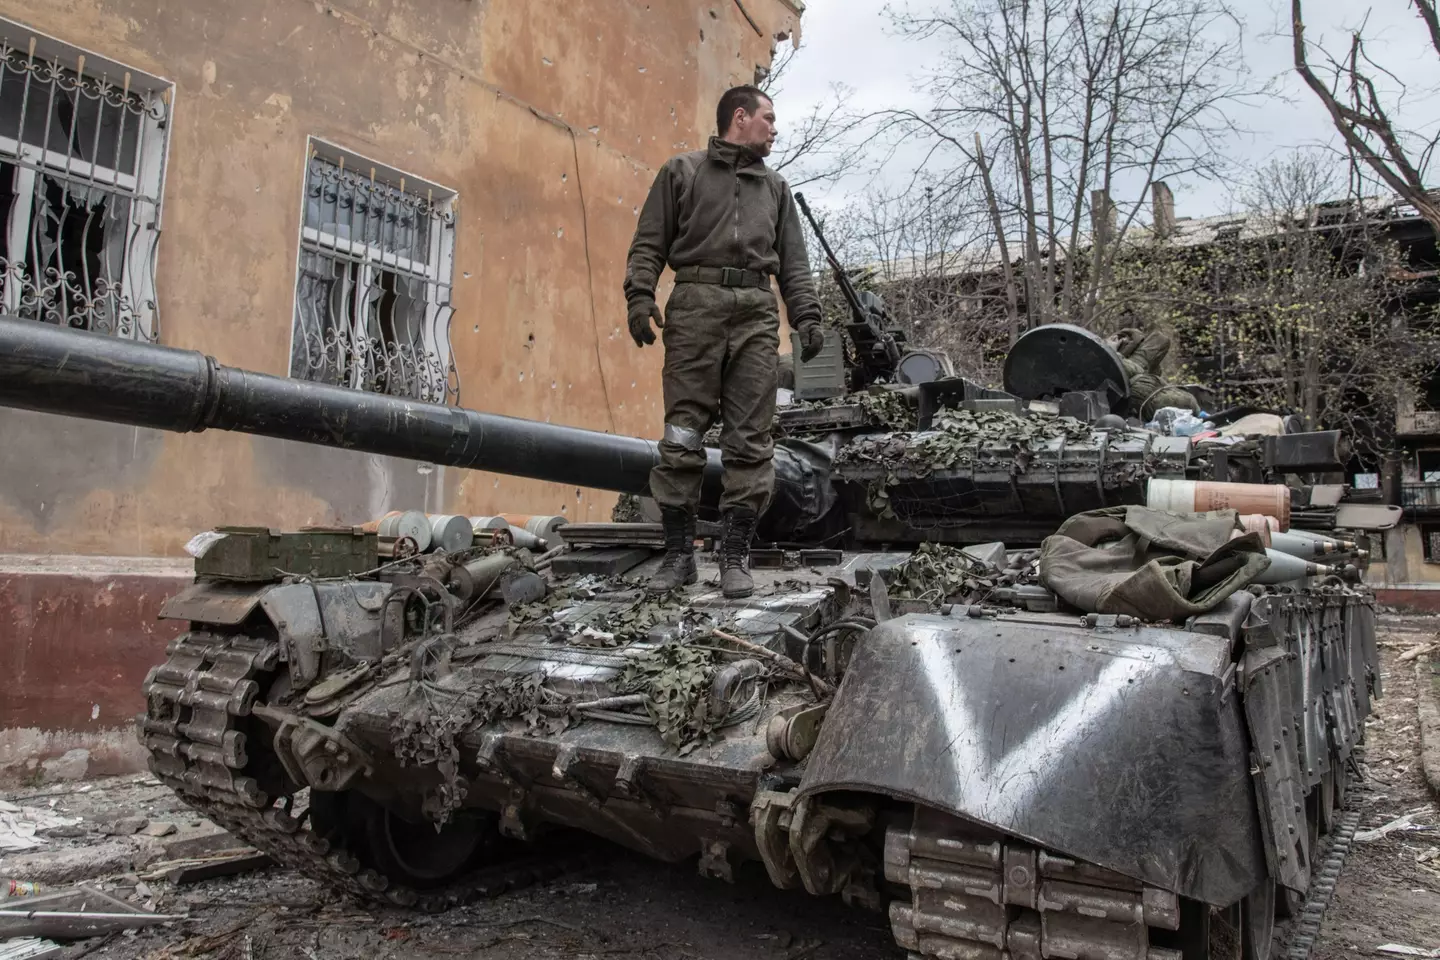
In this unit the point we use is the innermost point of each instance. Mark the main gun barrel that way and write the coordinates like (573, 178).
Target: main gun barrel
(96, 377)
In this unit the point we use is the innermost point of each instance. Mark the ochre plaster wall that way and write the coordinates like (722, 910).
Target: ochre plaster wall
(548, 117)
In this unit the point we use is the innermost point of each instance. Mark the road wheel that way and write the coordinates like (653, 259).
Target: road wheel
(1205, 933)
(1257, 922)
(1327, 811)
(412, 853)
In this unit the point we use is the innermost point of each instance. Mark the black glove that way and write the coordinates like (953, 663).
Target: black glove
(812, 339)
(642, 310)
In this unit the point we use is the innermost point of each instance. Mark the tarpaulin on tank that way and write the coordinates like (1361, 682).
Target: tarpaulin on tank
(1124, 748)
(1148, 563)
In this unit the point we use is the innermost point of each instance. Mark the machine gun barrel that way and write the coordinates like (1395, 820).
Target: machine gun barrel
(96, 377)
(847, 289)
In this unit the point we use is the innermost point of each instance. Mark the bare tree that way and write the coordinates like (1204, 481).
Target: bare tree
(935, 267)
(1083, 104)
(1297, 313)
(1364, 117)
(819, 147)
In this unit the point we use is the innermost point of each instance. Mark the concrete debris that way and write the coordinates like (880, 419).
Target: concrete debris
(200, 839)
(81, 863)
(71, 765)
(1428, 854)
(213, 867)
(126, 826)
(1405, 823)
(158, 829)
(29, 948)
(21, 827)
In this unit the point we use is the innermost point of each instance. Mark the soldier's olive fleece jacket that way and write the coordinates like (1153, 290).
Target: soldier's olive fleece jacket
(722, 207)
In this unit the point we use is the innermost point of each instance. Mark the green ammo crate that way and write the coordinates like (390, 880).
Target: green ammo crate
(259, 553)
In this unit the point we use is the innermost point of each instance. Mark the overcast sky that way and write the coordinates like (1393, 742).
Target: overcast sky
(850, 42)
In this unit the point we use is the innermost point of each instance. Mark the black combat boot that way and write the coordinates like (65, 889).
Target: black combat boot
(678, 567)
(739, 528)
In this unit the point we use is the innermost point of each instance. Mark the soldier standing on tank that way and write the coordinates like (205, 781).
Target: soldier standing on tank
(725, 223)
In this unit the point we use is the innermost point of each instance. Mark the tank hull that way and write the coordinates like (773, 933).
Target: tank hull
(1112, 762)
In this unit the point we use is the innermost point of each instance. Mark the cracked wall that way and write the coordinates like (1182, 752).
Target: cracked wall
(548, 117)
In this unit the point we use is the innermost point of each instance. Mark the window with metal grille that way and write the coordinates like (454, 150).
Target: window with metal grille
(372, 298)
(82, 160)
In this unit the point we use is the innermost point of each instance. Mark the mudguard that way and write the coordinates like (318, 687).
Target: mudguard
(207, 601)
(1125, 747)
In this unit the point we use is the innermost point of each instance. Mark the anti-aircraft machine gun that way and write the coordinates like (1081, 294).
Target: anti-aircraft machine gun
(966, 737)
(877, 345)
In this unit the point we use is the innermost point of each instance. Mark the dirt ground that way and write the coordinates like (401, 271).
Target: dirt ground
(624, 905)
(1390, 890)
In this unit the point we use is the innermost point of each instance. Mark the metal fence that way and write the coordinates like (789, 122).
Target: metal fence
(372, 301)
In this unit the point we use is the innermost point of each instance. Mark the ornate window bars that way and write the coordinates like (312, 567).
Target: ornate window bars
(372, 299)
(82, 162)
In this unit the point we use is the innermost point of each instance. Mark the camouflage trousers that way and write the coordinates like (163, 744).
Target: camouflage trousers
(721, 348)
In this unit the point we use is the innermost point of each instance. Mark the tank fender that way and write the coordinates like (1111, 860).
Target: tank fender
(349, 619)
(218, 602)
(1124, 747)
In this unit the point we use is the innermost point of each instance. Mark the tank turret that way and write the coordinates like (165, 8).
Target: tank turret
(953, 461)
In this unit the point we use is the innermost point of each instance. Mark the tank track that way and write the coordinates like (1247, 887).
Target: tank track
(961, 880)
(197, 706)
(1306, 928)
(965, 883)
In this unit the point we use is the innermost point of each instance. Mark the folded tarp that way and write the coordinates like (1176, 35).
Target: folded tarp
(1148, 563)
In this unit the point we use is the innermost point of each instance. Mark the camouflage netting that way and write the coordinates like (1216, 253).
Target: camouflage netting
(674, 677)
(627, 509)
(675, 680)
(613, 628)
(427, 731)
(938, 574)
(886, 409)
(955, 436)
(954, 440)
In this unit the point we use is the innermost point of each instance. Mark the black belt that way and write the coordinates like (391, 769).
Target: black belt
(724, 276)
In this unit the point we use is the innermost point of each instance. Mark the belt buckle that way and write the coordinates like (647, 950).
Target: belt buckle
(732, 277)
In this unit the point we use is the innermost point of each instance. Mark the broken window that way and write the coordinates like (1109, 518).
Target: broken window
(82, 155)
(372, 298)
(1430, 542)
(1429, 395)
(1427, 463)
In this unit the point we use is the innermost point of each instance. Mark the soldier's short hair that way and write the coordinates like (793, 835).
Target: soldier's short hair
(747, 96)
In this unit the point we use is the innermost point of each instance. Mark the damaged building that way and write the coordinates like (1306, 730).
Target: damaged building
(429, 200)
(957, 300)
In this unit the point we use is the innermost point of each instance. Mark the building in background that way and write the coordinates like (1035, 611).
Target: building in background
(429, 199)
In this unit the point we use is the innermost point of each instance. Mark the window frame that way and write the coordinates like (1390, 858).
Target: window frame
(437, 272)
(142, 189)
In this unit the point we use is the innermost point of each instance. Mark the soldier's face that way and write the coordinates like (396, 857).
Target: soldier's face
(755, 130)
